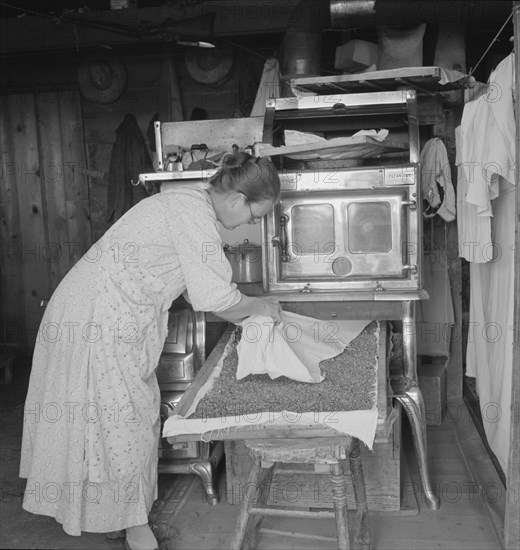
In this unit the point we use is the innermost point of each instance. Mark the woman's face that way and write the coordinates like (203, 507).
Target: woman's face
(235, 210)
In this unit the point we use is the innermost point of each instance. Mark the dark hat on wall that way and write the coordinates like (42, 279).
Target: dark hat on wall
(102, 78)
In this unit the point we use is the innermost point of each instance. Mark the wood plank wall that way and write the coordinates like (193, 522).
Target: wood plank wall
(101, 122)
(55, 149)
(44, 204)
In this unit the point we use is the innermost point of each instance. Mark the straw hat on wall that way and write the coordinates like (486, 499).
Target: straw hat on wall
(211, 67)
(102, 78)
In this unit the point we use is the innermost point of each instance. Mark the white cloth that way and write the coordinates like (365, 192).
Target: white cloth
(487, 157)
(294, 348)
(269, 87)
(436, 176)
(450, 75)
(474, 230)
(91, 426)
(485, 151)
(339, 148)
(489, 354)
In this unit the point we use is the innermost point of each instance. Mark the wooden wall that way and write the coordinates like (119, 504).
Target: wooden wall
(101, 122)
(55, 149)
(44, 205)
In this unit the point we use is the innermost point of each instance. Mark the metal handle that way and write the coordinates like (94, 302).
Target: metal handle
(412, 204)
(199, 147)
(411, 268)
(283, 239)
(158, 145)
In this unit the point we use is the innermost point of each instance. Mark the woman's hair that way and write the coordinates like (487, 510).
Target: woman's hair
(257, 178)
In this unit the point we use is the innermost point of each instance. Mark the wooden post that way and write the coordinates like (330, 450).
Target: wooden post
(512, 519)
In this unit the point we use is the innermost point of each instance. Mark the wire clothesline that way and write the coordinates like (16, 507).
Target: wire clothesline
(473, 69)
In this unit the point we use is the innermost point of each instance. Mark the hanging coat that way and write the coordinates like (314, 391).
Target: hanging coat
(130, 158)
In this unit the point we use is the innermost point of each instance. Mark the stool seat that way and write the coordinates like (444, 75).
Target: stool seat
(332, 451)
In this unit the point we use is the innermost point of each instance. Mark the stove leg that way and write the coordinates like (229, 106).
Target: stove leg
(413, 404)
(205, 469)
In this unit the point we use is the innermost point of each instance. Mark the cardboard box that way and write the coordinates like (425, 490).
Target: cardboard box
(355, 56)
(432, 383)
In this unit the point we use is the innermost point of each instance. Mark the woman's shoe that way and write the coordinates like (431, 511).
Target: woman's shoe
(164, 533)
(127, 546)
(113, 535)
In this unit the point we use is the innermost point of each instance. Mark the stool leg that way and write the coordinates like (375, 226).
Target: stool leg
(362, 536)
(339, 498)
(264, 486)
(256, 492)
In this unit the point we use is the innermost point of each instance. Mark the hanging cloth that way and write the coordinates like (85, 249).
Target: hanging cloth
(436, 181)
(486, 145)
(491, 188)
(129, 159)
(269, 87)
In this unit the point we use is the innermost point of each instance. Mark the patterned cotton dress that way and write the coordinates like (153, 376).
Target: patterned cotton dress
(91, 420)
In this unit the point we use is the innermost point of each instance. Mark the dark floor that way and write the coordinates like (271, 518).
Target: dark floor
(473, 403)
(454, 454)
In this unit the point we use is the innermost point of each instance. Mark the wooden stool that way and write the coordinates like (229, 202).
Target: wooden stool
(332, 451)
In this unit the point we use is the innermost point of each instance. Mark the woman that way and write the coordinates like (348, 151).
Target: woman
(91, 423)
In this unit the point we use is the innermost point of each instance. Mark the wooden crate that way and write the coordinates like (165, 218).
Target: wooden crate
(300, 485)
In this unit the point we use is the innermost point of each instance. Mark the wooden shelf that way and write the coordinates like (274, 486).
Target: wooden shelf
(423, 79)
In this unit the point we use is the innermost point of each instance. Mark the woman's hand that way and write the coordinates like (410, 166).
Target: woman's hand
(250, 305)
(271, 308)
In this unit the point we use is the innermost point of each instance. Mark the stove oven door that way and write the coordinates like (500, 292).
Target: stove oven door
(349, 240)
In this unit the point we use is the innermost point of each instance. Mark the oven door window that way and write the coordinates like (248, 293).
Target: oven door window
(312, 238)
(369, 228)
(312, 228)
(374, 231)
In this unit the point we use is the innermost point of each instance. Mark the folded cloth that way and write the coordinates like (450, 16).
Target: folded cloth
(294, 348)
(450, 75)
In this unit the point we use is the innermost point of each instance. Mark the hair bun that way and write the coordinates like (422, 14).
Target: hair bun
(235, 160)
(256, 178)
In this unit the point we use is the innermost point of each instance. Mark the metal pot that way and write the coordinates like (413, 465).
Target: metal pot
(246, 262)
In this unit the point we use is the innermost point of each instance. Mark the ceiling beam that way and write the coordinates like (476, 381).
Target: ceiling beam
(30, 33)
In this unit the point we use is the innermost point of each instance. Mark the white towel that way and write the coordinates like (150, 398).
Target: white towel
(294, 348)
